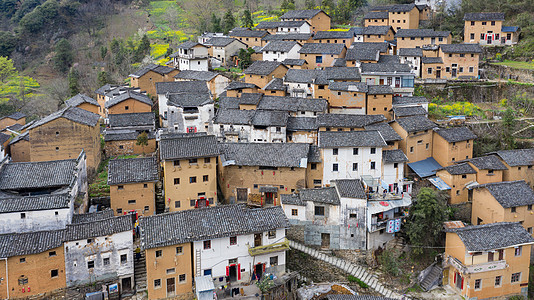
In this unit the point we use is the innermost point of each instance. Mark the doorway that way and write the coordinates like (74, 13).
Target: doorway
(269, 198)
(201, 203)
(325, 240)
(438, 73)
(232, 272)
(459, 281)
(453, 73)
(257, 239)
(242, 195)
(170, 287)
(258, 270)
(126, 283)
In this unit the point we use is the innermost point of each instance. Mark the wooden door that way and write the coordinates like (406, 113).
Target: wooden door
(325, 240)
(171, 287)
(257, 239)
(242, 195)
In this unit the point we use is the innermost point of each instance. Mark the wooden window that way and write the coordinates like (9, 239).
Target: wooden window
(518, 250)
(145, 185)
(176, 204)
(170, 271)
(395, 165)
(207, 244)
(54, 273)
(313, 166)
(490, 256)
(52, 253)
(478, 284)
(192, 202)
(90, 264)
(176, 181)
(273, 261)
(317, 181)
(207, 160)
(501, 254)
(193, 161)
(193, 179)
(23, 215)
(294, 212)
(319, 210)
(157, 283)
(120, 187)
(498, 280)
(159, 253)
(355, 151)
(181, 278)
(22, 260)
(529, 207)
(335, 151)
(354, 166)
(131, 201)
(233, 240)
(205, 178)
(124, 258)
(513, 210)
(516, 277)
(373, 150)
(271, 234)
(105, 261)
(176, 163)
(334, 167)
(119, 211)
(179, 250)
(373, 165)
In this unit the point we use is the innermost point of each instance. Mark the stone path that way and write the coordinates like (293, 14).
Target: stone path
(355, 270)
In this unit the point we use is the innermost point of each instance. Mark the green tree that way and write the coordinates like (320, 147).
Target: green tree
(169, 52)
(103, 52)
(244, 57)
(342, 12)
(8, 42)
(246, 19)
(6, 68)
(355, 4)
(228, 21)
(328, 6)
(104, 78)
(509, 123)
(309, 4)
(142, 139)
(64, 56)
(74, 85)
(142, 50)
(215, 23)
(288, 5)
(425, 221)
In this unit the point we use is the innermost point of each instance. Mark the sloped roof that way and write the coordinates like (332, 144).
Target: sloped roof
(376, 15)
(294, 62)
(270, 118)
(264, 154)
(348, 86)
(510, 193)
(416, 123)
(98, 228)
(417, 52)
(132, 120)
(15, 244)
(376, 30)
(196, 86)
(350, 188)
(394, 156)
(456, 134)
(287, 36)
(189, 99)
(379, 90)
(74, 114)
(361, 138)
(334, 34)
(154, 68)
(407, 111)
(492, 236)
(302, 124)
(43, 174)
(409, 100)
(185, 147)
(488, 162)
(91, 217)
(276, 84)
(393, 8)
(484, 16)
(32, 203)
(460, 169)
(196, 75)
(189, 45)
(327, 195)
(208, 223)
(347, 120)
(366, 51)
(322, 48)
(133, 170)
(237, 85)
(127, 134)
(293, 104)
(279, 46)
(518, 157)
(461, 48)
(221, 41)
(431, 60)
(388, 133)
(234, 116)
(129, 95)
(262, 67)
(80, 99)
(385, 68)
(15, 116)
(248, 33)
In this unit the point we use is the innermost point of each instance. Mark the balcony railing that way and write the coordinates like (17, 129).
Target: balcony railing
(477, 268)
(282, 246)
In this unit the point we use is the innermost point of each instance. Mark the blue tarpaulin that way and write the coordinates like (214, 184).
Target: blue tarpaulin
(439, 183)
(426, 167)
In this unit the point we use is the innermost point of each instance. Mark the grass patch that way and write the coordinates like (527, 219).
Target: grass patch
(415, 288)
(100, 187)
(441, 109)
(357, 280)
(516, 64)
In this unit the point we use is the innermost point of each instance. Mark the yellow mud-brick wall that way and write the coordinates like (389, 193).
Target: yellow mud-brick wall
(129, 147)
(447, 154)
(142, 193)
(129, 106)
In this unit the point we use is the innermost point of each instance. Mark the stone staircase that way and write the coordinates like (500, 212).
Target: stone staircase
(432, 277)
(352, 269)
(140, 273)
(160, 200)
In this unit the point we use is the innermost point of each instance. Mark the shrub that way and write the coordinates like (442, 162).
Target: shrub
(358, 281)
(390, 262)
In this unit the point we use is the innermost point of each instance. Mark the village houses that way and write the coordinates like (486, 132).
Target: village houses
(191, 56)
(84, 102)
(518, 165)
(130, 134)
(221, 49)
(317, 18)
(486, 28)
(217, 82)
(261, 73)
(146, 77)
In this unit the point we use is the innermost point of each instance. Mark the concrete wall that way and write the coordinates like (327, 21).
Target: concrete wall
(345, 160)
(281, 56)
(180, 121)
(79, 253)
(35, 220)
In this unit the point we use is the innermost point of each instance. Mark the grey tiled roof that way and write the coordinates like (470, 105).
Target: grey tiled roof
(33, 175)
(394, 156)
(291, 199)
(250, 98)
(326, 195)
(456, 134)
(347, 120)
(366, 51)
(287, 36)
(188, 147)
(74, 114)
(234, 116)
(409, 100)
(268, 25)
(393, 8)
(361, 138)
(493, 236)
(279, 46)
(127, 134)
(376, 15)
(23, 136)
(348, 86)
(132, 170)
(237, 85)
(385, 68)
(132, 120)
(276, 84)
(518, 157)
(104, 89)
(196, 86)
(264, 154)
(339, 62)
(322, 48)
(389, 59)
(301, 14)
(262, 67)
(91, 217)
(488, 162)
(15, 116)
(228, 103)
(461, 48)
(152, 67)
(460, 169)
(350, 188)
(484, 16)
(511, 193)
(15, 244)
(421, 33)
(314, 155)
(248, 33)
(292, 104)
(301, 76)
(221, 41)
(340, 73)
(187, 45)
(294, 62)
(376, 30)
(80, 99)
(41, 202)
(99, 228)
(196, 75)
(379, 90)
(407, 111)
(416, 123)
(129, 95)
(417, 52)
(302, 124)
(286, 24)
(189, 99)
(4, 138)
(270, 118)
(208, 223)
(432, 60)
(334, 35)
(388, 133)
